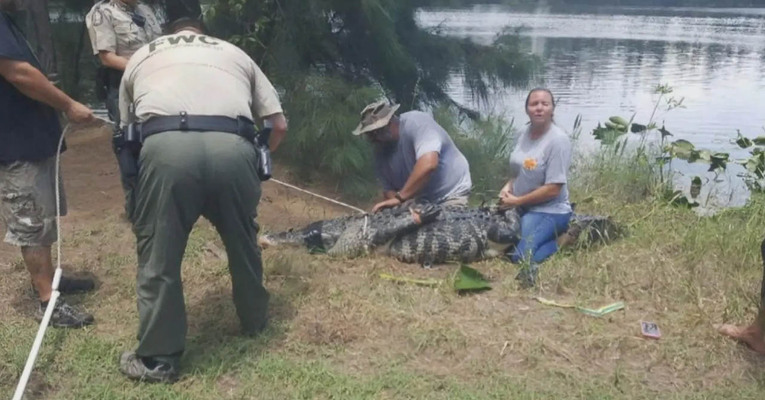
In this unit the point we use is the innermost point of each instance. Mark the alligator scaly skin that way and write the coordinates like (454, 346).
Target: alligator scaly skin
(444, 233)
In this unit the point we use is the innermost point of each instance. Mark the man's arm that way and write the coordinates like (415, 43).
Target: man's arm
(417, 180)
(111, 60)
(420, 175)
(124, 101)
(266, 105)
(278, 130)
(33, 84)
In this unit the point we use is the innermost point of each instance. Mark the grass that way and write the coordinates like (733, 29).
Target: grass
(340, 332)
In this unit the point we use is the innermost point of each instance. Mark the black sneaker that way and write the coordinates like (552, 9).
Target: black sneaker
(132, 366)
(68, 285)
(66, 316)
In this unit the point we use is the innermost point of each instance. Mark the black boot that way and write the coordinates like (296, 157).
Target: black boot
(75, 285)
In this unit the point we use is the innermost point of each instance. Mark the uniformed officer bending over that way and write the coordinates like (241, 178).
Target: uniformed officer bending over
(117, 29)
(193, 162)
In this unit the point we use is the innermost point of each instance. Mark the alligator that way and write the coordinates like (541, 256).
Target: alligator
(428, 234)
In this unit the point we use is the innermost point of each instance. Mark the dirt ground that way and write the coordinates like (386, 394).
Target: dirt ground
(93, 191)
(96, 236)
(342, 312)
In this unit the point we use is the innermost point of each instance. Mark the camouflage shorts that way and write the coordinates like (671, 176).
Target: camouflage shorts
(28, 202)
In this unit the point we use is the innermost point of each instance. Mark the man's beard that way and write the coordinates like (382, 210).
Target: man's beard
(386, 148)
(8, 5)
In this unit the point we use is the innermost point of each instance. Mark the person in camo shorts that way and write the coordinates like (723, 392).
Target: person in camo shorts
(29, 137)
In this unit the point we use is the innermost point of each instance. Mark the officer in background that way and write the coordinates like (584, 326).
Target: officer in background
(117, 29)
(195, 97)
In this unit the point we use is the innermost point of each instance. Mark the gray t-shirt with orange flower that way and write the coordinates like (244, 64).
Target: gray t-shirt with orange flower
(546, 160)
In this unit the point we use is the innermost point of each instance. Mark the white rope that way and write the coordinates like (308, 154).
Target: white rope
(56, 278)
(320, 196)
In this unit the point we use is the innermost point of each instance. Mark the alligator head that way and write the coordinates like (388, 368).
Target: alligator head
(355, 232)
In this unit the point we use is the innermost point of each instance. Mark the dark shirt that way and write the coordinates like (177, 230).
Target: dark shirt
(29, 129)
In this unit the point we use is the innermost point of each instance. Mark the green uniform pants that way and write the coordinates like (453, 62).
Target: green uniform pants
(184, 175)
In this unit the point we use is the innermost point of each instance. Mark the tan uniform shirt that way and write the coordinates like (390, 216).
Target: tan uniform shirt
(198, 74)
(111, 27)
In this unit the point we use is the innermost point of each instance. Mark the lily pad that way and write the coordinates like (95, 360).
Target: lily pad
(606, 136)
(682, 149)
(743, 141)
(638, 128)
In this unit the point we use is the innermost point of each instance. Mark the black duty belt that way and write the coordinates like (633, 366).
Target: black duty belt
(241, 126)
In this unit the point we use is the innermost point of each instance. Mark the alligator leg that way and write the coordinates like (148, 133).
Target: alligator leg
(595, 229)
(421, 215)
(352, 242)
(361, 237)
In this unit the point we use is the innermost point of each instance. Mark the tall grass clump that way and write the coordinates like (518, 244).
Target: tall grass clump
(623, 177)
(322, 113)
(486, 143)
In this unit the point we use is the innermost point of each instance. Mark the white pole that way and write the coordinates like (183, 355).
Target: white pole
(54, 294)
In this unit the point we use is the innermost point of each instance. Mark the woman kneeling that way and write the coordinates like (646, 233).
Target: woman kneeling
(538, 185)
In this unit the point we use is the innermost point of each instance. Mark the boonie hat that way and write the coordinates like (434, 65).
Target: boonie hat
(375, 116)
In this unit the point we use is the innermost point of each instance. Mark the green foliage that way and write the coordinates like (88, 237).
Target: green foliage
(368, 42)
(332, 57)
(755, 164)
(486, 143)
(322, 112)
(658, 163)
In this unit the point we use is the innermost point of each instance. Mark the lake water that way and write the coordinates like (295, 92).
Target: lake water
(608, 61)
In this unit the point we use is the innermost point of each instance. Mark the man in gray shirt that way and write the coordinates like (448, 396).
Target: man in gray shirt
(414, 157)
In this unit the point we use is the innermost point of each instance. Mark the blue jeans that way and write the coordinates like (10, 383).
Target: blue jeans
(538, 233)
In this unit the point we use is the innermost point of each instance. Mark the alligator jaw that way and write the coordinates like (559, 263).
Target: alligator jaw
(265, 242)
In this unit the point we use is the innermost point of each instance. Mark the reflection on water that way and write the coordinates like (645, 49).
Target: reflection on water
(608, 61)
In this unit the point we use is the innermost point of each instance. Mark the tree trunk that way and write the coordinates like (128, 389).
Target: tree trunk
(41, 33)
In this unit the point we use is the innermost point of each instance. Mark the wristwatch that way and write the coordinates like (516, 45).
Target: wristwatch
(398, 197)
